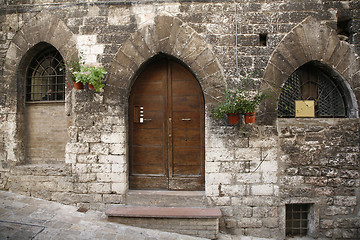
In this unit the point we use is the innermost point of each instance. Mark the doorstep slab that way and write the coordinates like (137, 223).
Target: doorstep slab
(163, 212)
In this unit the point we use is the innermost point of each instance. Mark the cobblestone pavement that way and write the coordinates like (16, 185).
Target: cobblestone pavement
(23, 217)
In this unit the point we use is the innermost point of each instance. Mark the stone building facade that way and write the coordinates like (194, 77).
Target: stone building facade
(75, 149)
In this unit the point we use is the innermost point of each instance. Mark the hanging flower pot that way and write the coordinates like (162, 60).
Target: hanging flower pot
(78, 85)
(250, 117)
(233, 118)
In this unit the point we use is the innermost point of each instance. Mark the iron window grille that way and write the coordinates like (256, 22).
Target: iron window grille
(45, 78)
(297, 219)
(310, 83)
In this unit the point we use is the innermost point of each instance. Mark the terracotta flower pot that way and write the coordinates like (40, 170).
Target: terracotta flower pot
(78, 85)
(91, 87)
(233, 118)
(250, 117)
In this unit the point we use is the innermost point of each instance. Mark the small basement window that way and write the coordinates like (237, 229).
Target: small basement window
(297, 220)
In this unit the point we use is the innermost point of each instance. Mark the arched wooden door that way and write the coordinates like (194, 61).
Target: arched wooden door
(166, 123)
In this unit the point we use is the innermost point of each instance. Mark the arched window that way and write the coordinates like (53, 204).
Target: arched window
(45, 76)
(311, 83)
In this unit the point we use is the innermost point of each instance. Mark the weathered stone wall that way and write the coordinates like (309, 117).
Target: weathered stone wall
(319, 164)
(251, 171)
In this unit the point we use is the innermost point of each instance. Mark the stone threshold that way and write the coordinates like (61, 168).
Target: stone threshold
(163, 212)
(166, 193)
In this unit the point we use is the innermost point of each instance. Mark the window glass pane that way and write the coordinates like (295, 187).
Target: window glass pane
(46, 77)
(310, 83)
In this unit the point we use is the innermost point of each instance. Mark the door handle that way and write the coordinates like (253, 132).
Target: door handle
(186, 119)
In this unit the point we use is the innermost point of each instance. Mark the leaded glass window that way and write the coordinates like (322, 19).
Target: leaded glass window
(310, 83)
(45, 78)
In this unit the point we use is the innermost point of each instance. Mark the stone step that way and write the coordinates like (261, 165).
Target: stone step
(199, 222)
(166, 198)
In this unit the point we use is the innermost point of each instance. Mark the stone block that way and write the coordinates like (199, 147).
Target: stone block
(70, 158)
(219, 154)
(119, 188)
(234, 190)
(150, 39)
(113, 198)
(270, 177)
(117, 148)
(89, 137)
(85, 177)
(99, 148)
(247, 154)
(346, 201)
(212, 167)
(119, 168)
(117, 159)
(80, 168)
(183, 37)
(87, 158)
(113, 138)
(243, 178)
(100, 168)
(217, 178)
(112, 177)
(77, 148)
(337, 210)
(262, 190)
(81, 187)
(131, 52)
(250, 223)
(99, 187)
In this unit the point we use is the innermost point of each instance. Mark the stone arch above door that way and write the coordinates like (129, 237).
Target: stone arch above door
(167, 35)
(309, 41)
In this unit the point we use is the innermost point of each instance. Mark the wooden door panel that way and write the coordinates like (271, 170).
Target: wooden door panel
(186, 103)
(186, 183)
(191, 154)
(187, 170)
(149, 169)
(186, 137)
(148, 155)
(167, 149)
(148, 182)
(184, 88)
(148, 136)
(150, 88)
(150, 103)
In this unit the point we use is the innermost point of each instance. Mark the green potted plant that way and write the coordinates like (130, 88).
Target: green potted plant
(227, 107)
(82, 74)
(74, 65)
(93, 76)
(248, 105)
(243, 100)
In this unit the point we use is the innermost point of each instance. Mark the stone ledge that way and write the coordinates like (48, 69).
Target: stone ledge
(60, 169)
(163, 212)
